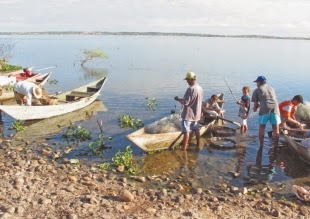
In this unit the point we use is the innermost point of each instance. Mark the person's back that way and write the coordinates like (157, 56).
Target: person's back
(28, 89)
(266, 97)
(24, 87)
(193, 101)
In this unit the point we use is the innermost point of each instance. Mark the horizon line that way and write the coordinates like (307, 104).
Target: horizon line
(149, 33)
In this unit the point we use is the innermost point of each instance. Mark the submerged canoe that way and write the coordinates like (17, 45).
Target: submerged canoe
(160, 141)
(301, 150)
(67, 102)
(40, 80)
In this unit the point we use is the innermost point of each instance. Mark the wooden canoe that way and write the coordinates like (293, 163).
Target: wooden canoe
(67, 102)
(40, 81)
(160, 141)
(302, 151)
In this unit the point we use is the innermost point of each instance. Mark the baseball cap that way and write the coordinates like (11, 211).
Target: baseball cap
(190, 75)
(260, 78)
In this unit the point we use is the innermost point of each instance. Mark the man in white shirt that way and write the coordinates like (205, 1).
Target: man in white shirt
(26, 89)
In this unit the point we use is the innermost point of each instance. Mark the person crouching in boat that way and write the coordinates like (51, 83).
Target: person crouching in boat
(26, 89)
(287, 111)
(27, 72)
(211, 108)
(191, 108)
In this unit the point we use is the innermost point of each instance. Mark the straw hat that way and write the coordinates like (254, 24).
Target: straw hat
(37, 92)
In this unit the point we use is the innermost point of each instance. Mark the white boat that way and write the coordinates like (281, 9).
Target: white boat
(7, 90)
(67, 102)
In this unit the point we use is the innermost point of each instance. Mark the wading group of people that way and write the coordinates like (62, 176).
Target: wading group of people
(263, 98)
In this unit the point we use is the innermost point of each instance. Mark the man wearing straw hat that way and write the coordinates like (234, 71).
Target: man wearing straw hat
(26, 89)
(191, 108)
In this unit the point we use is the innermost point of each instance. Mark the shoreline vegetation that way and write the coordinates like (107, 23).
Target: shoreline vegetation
(151, 34)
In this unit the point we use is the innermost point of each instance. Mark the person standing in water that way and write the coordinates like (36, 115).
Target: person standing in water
(191, 108)
(244, 108)
(264, 98)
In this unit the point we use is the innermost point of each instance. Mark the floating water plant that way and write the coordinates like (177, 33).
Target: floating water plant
(126, 159)
(76, 133)
(17, 125)
(126, 121)
(151, 103)
(97, 146)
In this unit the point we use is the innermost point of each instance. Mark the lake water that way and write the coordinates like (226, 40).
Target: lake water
(154, 66)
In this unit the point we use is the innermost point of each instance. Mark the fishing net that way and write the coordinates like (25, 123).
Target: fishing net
(303, 111)
(222, 143)
(168, 124)
(220, 131)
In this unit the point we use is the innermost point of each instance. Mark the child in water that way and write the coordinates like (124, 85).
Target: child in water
(244, 108)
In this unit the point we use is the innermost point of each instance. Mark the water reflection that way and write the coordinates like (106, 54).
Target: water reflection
(93, 72)
(35, 130)
(260, 171)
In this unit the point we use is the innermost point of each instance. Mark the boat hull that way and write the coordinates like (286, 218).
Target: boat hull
(161, 141)
(63, 106)
(302, 151)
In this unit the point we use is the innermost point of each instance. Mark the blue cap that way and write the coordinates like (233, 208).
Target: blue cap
(260, 78)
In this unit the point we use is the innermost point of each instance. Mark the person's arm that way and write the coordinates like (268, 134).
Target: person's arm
(29, 98)
(181, 100)
(256, 106)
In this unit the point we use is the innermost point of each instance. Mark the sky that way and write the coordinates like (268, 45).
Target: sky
(229, 17)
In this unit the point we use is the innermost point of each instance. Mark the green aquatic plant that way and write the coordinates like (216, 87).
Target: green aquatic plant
(17, 125)
(126, 121)
(97, 146)
(125, 159)
(52, 81)
(76, 133)
(104, 166)
(151, 103)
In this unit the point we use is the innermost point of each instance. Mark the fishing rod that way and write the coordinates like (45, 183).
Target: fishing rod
(55, 66)
(230, 90)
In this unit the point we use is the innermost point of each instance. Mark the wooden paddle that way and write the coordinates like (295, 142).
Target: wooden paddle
(297, 129)
(174, 141)
(236, 123)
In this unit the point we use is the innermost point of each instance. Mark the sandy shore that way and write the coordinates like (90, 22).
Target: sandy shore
(36, 185)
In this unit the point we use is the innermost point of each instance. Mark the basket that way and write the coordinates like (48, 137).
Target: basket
(49, 100)
(222, 143)
(223, 131)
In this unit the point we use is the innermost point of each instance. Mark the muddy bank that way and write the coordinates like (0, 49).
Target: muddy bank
(38, 184)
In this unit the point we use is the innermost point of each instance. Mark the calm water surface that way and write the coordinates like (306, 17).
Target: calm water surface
(154, 66)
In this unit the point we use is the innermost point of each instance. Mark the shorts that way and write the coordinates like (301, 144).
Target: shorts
(19, 97)
(244, 121)
(273, 118)
(189, 125)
